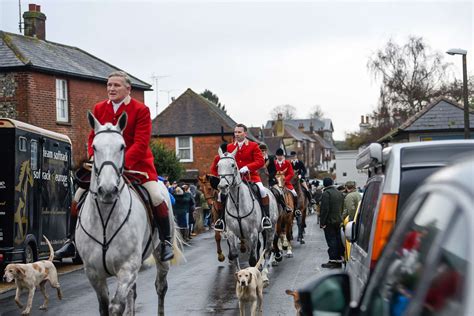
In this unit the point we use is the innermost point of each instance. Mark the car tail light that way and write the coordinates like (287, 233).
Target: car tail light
(384, 226)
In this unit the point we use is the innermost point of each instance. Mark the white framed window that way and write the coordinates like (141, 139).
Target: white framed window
(184, 148)
(62, 113)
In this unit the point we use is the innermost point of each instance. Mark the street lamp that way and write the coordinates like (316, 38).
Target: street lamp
(458, 51)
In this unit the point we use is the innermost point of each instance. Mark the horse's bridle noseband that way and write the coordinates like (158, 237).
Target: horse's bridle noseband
(233, 175)
(118, 170)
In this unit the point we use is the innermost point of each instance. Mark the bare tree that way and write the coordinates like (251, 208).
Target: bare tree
(316, 112)
(288, 112)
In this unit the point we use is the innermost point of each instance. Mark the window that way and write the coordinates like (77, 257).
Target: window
(407, 266)
(21, 143)
(367, 211)
(184, 148)
(344, 174)
(62, 113)
(34, 155)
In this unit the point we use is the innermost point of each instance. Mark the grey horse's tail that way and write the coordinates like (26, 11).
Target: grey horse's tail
(177, 246)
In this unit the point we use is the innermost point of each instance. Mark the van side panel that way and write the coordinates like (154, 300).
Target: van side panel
(7, 185)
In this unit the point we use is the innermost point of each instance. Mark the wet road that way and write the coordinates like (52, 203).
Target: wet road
(201, 286)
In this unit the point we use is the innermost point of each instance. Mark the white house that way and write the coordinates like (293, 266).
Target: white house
(346, 168)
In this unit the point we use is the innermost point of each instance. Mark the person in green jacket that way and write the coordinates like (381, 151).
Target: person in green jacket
(351, 201)
(332, 203)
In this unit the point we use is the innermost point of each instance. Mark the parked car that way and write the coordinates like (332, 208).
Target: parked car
(427, 266)
(394, 174)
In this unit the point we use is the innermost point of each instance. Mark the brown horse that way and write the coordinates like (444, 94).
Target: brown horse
(284, 226)
(303, 203)
(210, 194)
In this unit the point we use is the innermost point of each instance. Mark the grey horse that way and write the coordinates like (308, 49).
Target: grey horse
(243, 214)
(113, 234)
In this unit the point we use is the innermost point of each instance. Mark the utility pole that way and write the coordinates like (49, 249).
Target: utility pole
(155, 78)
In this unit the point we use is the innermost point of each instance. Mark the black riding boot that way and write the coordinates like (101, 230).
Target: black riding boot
(69, 248)
(297, 207)
(219, 225)
(266, 223)
(161, 219)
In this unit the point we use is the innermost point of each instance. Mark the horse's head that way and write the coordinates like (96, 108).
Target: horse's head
(228, 171)
(280, 177)
(207, 189)
(109, 158)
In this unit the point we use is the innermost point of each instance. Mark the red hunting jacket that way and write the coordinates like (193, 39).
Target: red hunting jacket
(287, 168)
(214, 166)
(249, 155)
(137, 134)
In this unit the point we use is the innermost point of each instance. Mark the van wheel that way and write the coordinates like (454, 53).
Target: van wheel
(29, 254)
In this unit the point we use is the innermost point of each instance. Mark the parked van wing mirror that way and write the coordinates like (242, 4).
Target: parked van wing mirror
(350, 231)
(329, 294)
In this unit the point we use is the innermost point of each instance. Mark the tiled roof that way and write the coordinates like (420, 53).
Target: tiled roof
(442, 114)
(24, 51)
(192, 114)
(295, 133)
(273, 143)
(318, 124)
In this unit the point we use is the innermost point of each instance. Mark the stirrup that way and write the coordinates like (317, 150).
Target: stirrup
(219, 225)
(298, 213)
(269, 224)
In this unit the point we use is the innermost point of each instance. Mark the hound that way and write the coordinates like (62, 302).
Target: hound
(249, 288)
(29, 276)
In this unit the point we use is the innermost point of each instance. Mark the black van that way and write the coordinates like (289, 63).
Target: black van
(35, 190)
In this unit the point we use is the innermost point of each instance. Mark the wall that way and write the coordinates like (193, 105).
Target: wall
(204, 150)
(346, 163)
(34, 101)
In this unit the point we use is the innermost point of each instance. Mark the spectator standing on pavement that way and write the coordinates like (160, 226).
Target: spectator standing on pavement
(183, 206)
(332, 203)
(191, 219)
(351, 201)
(201, 201)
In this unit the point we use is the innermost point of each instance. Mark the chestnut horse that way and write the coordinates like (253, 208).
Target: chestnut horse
(302, 206)
(284, 226)
(210, 194)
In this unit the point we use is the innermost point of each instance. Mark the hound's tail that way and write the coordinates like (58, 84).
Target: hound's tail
(177, 247)
(51, 250)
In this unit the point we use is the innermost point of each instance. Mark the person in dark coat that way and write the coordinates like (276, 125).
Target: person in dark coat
(332, 205)
(183, 206)
(300, 170)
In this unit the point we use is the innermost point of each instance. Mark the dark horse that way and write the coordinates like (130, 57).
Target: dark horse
(303, 203)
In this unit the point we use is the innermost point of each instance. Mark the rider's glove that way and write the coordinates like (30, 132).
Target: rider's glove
(244, 169)
(299, 176)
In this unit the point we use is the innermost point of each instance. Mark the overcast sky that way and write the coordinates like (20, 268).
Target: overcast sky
(255, 55)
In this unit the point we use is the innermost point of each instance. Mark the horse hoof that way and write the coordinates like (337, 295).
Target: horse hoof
(289, 255)
(302, 242)
(278, 257)
(266, 283)
(220, 257)
(274, 263)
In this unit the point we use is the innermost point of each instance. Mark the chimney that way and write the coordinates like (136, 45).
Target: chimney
(311, 127)
(301, 127)
(364, 126)
(35, 25)
(279, 126)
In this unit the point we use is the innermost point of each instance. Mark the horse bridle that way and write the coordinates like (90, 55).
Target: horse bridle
(225, 175)
(118, 170)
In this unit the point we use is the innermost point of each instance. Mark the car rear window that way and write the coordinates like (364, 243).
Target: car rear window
(411, 179)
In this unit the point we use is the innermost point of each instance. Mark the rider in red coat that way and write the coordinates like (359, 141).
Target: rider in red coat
(284, 166)
(249, 160)
(138, 156)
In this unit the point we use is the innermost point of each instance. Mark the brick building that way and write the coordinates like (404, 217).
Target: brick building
(52, 85)
(193, 127)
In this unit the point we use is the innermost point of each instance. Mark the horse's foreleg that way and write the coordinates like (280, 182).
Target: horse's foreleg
(161, 283)
(126, 279)
(132, 294)
(220, 255)
(102, 292)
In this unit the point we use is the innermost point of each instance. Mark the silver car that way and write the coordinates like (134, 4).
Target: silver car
(394, 174)
(427, 266)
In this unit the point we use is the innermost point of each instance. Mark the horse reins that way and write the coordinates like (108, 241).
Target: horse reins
(238, 217)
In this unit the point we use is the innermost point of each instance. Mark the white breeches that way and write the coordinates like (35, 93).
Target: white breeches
(263, 191)
(151, 186)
